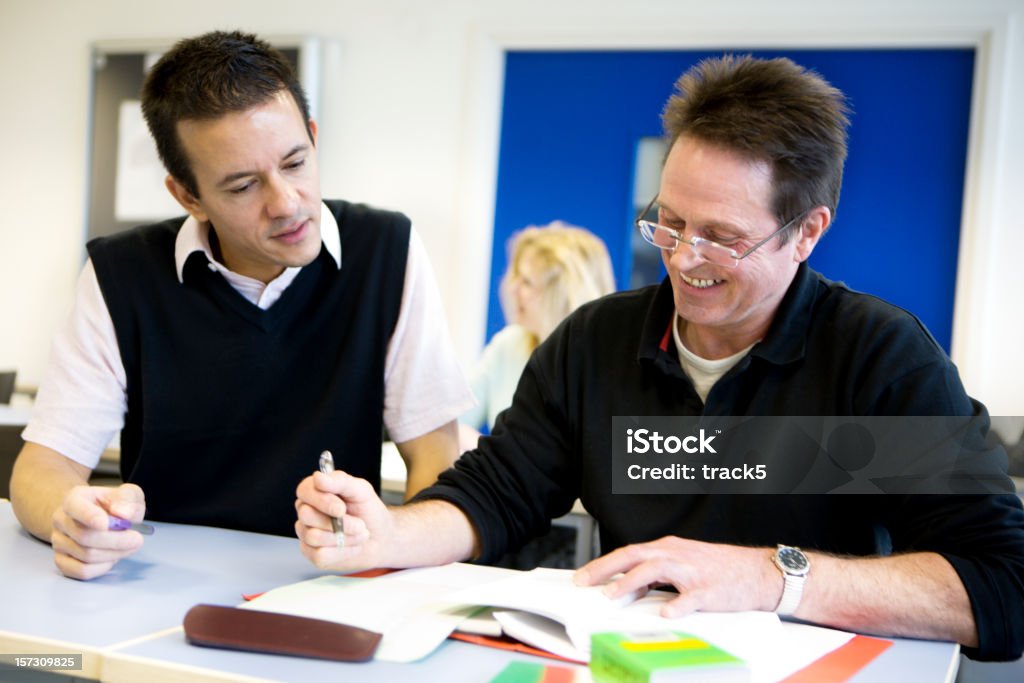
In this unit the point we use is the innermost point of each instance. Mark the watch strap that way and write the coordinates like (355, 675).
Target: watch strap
(792, 591)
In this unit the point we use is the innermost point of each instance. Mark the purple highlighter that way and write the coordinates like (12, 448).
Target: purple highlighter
(118, 524)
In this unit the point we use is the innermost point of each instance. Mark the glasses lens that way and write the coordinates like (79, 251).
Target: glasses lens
(715, 253)
(657, 235)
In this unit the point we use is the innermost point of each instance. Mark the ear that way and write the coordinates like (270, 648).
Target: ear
(188, 201)
(814, 225)
(313, 130)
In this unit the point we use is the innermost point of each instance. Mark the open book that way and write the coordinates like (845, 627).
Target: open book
(416, 609)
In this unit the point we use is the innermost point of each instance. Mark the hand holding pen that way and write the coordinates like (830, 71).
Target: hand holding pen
(342, 524)
(88, 529)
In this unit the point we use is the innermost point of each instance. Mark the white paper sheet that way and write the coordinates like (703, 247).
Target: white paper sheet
(417, 609)
(772, 649)
(409, 608)
(139, 192)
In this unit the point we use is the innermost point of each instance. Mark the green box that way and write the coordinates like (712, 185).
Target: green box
(664, 657)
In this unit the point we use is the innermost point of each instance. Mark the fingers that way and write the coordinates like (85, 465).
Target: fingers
(315, 529)
(323, 497)
(637, 579)
(602, 569)
(127, 502)
(83, 546)
(82, 506)
(631, 570)
(327, 492)
(320, 546)
(79, 561)
(686, 603)
(315, 508)
(339, 483)
(314, 520)
(73, 569)
(92, 547)
(91, 506)
(322, 557)
(337, 495)
(708, 576)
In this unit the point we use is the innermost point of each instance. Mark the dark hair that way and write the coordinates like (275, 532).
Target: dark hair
(768, 110)
(207, 77)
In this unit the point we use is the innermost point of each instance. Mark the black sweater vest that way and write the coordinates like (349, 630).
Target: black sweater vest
(229, 406)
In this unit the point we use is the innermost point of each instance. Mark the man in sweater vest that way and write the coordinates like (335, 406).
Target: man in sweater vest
(233, 346)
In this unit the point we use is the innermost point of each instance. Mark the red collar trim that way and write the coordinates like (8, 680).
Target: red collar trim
(668, 335)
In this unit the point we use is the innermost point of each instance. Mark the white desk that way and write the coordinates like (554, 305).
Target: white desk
(127, 623)
(43, 612)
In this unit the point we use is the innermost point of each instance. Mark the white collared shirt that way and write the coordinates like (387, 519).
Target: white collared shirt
(82, 401)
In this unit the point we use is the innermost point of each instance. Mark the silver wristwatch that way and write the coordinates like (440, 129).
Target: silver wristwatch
(794, 566)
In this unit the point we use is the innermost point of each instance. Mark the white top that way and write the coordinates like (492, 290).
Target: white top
(81, 402)
(496, 375)
(703, 372)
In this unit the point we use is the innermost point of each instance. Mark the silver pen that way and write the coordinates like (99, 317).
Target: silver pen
(327, 466)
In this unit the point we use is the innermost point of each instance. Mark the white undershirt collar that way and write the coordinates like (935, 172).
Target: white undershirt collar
(703, 372)
(194, 236)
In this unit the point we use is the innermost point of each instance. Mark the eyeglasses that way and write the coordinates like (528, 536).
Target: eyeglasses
(712, 252)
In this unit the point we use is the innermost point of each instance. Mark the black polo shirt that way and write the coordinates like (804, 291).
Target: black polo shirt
(829, 351)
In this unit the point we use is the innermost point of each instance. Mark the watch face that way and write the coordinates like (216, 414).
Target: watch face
(792, 559)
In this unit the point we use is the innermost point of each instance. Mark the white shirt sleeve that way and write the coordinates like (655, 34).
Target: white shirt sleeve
(479, 377)
(81, 402)
(496, 375)
(424, 386)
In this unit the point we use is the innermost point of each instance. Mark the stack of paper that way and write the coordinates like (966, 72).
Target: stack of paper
(416, 609)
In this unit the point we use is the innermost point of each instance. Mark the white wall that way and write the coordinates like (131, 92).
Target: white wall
(409, 119)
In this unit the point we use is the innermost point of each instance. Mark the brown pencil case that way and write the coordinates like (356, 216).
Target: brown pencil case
(279, 634)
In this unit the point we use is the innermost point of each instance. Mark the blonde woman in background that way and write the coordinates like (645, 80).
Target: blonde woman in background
(552, 271)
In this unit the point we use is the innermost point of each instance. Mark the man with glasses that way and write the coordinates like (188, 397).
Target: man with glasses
(741, 326)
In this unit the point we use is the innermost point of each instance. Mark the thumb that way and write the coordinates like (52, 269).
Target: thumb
(127, 501)
(685, 604)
